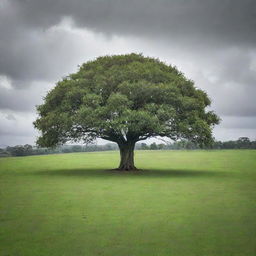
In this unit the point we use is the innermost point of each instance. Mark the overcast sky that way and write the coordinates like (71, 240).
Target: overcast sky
(213, 42)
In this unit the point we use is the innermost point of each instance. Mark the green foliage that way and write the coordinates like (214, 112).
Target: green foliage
(125, 98)
(20, 150)
(153, 146)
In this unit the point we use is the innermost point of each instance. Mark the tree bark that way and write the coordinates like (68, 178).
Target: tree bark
(127, 156)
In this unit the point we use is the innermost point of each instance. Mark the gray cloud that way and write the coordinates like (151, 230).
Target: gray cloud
(23, 99)
(10, 117)
(18, 129)
(232, 21)
(234, 122)
(51, 53)
(212, 42)
(230, 80)
(32, 48)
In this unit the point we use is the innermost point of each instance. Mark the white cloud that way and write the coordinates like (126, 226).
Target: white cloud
(5, 82)
(18, 129)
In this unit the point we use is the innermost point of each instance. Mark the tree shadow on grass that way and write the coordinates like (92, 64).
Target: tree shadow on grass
(96, 173)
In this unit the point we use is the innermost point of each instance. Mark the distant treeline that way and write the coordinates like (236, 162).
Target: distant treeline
(26, 150)
(241, 143)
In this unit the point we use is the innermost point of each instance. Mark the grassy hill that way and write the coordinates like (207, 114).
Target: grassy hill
(183, 203)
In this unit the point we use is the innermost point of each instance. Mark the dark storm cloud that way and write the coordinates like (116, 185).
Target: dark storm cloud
(29, 51)
(229, 20)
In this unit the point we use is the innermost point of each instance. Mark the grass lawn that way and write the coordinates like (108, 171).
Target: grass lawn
(183, 203)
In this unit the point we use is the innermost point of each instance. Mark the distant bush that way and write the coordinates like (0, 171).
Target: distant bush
(4, 153)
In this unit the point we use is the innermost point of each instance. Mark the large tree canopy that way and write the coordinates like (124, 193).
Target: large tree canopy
(125, 99)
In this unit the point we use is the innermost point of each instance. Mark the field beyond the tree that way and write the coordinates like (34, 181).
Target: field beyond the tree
(182, 203)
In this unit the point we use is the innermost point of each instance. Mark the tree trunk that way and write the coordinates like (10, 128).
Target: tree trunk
(127, 156)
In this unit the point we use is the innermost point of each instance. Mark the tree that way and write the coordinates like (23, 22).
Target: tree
(20, 150)
(144, 146)
(125, 99)
(153, 146)
(244, 142)
(161, 146)
(77, 148)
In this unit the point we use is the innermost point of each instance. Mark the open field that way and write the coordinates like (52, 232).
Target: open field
(184, 203)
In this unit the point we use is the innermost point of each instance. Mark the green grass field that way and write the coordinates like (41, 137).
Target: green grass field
(183, 203)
